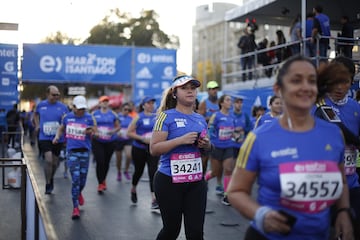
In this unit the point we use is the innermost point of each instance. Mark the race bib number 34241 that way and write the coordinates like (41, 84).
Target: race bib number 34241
(186, 167)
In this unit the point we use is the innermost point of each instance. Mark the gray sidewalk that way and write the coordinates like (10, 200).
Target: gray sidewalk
(113, 216)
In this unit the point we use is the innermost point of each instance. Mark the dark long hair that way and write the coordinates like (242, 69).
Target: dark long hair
(286, 65)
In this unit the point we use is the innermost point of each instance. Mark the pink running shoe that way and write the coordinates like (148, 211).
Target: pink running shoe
(75, 213)
(119, 176)
(100, 188)
(127, 176)
(81, 200)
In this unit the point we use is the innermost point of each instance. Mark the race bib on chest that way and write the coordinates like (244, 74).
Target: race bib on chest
(186, 167)
(76, 131)
(50, 128)
(350, 160)
(123, 133)
(239, 135)
(310, 186)
(104, 133)
(147, 135)
(225, 133)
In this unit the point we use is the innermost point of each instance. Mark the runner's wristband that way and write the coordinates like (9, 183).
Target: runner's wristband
(344, 209)
(259, 217)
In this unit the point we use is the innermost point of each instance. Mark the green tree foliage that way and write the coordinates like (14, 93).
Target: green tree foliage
(60, 38)
(116, 28)
(119, 28)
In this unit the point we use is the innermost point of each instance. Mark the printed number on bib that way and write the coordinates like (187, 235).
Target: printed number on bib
(50, 128)
(225, 133)
(310, 186)
(186, 167)
(76, 131)
(104, 133)
(350, 160)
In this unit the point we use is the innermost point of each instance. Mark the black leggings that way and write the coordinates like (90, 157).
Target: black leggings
(12, 135)
(177, 200)
(103, 152)
(141, 157)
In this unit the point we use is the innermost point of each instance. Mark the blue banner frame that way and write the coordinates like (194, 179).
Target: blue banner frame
(9, 81)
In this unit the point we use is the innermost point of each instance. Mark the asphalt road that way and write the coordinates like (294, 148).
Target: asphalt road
(111, 215)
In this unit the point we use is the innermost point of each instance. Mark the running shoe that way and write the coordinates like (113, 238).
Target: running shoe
(81, 200)
(208, 176)
(100, 188)
(119, 176)
(75, 213)
(154, 204)
(127, 176)
(104, 185)
(48, 189)
(133, 197)
(225, 201)
(219, 190)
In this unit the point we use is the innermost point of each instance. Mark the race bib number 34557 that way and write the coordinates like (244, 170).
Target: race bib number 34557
(310, 186)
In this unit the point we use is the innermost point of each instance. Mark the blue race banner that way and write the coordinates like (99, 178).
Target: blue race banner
(81, 64)
(9, 94)
(253, 97)
(153, 72)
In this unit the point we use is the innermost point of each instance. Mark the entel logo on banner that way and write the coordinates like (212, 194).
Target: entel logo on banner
(143, 58)
(159, 58)
(49, 64)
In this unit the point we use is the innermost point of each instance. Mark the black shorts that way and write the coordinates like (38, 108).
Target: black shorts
(222, 153)
(48, 146)
(119, 145)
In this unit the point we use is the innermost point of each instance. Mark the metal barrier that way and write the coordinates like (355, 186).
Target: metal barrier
(232, 71)
(35, 222)
(22, 188)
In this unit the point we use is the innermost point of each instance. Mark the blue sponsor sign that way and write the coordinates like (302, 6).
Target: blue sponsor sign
(154, 70)
(81, 64)
(253, 97)
(9, 81)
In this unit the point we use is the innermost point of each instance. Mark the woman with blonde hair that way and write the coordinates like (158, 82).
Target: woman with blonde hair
(179, 138)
